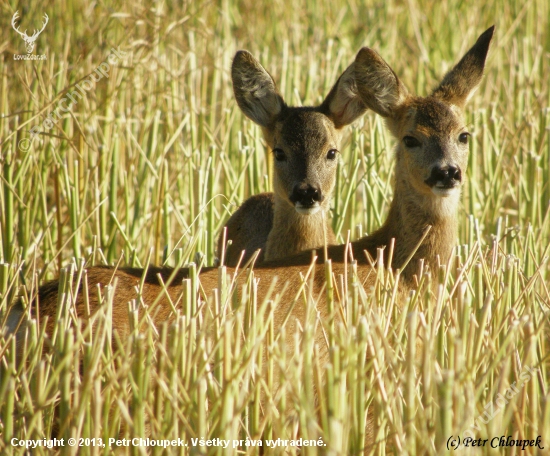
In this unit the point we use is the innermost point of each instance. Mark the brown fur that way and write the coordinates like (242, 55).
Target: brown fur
(305, 135)
(248, 229)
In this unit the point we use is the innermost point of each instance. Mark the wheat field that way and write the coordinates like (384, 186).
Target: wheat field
(124, 145)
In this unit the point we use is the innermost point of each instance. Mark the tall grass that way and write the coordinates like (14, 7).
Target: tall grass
(150, 163)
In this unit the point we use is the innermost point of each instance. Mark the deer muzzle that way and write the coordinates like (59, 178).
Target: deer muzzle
(306, 198)
(443, 179)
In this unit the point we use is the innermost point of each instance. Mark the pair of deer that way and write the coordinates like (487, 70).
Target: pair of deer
(431, 160)
(431, 157)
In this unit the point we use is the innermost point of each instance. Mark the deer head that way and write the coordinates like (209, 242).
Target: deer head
(304, 140)
(432, 152)
(29, 40)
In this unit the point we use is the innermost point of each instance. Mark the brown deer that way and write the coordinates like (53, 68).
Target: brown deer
(431, 160)
(305, 143)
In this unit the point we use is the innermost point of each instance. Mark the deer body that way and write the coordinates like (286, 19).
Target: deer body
(304, 142)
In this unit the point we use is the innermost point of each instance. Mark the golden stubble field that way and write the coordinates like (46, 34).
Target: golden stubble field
(142, 155)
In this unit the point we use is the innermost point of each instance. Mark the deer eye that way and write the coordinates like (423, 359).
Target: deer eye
(331, 154)
(411, 142)
(279, 155)
(463, 137)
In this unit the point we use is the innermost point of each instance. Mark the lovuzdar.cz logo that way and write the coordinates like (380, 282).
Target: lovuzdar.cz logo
(29, 40)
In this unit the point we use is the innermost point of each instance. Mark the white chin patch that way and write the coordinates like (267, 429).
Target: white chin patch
(444, 191)
(307, 210)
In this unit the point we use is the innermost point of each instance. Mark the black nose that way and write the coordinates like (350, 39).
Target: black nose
(448, 176)
(305, 194)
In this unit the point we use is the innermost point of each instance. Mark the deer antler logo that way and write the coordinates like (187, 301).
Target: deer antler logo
(29, 40)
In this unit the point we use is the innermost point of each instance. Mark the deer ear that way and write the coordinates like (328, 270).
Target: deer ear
(379, 87)
(460, 83)
(255, 90)
(343, 103)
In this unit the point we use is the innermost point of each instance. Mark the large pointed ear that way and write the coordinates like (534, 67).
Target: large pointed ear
(460, 83)
(379, 87)
(255, 90)
(343, 103)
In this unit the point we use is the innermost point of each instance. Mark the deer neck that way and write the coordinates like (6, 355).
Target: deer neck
(293, 232)
(409, 216)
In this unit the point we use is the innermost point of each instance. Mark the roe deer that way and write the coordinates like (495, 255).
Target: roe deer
(304, 142)
(431, 160)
